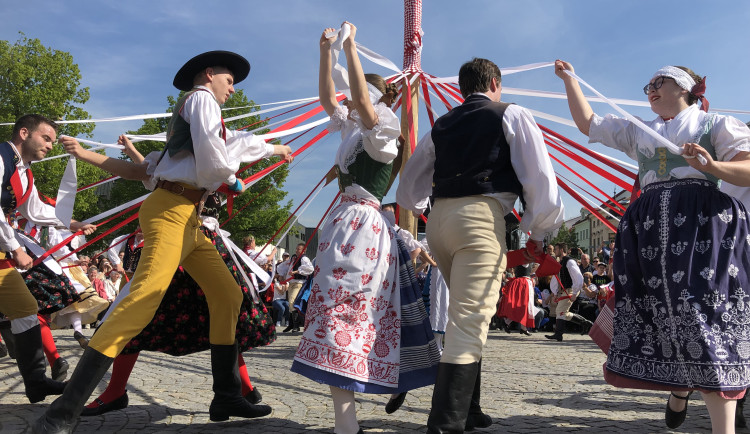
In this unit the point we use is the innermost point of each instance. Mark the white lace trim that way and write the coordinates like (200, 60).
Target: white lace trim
(338, 118)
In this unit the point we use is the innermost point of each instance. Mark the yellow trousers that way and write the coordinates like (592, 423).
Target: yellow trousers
(15, 299)
(467, 239)
(172, 237)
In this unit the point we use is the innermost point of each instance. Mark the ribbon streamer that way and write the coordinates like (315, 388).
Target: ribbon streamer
(66, 193)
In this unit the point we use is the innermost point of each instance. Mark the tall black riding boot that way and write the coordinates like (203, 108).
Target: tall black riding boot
(228, 400)
(7, 335)
(739, 417)
(583, 322)
(451, 397)
(33, 364)
(292, 322)
(559, 330)
(477, 418)
(61, 417)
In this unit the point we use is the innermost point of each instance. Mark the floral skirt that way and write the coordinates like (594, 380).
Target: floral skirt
(181, 323)
(366, 326)
(52, 291)
(682, 317)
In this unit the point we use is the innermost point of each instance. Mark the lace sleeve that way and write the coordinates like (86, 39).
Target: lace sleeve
(338, 118)
(381, 142)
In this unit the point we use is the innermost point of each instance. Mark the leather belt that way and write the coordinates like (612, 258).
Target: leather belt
(190, 194)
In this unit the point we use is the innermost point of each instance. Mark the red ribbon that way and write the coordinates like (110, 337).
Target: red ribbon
(698, 90)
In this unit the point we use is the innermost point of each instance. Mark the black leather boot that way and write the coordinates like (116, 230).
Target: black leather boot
(33, 365)
(228, 400)
(451, 397)
(62, 416)
(583, 322)
(292, 322)
(739, 417)
(7, 335)
(559, 330)
(477, 418)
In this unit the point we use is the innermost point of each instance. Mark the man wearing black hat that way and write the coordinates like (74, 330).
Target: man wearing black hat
(200, 156)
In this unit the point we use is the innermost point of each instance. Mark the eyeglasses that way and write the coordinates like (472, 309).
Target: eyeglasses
(656, 84)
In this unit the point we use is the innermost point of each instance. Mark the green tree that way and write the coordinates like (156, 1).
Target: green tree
(39, 79)
(260, 218)
(567, 236)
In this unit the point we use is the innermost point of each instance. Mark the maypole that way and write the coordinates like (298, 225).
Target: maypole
(410, 91)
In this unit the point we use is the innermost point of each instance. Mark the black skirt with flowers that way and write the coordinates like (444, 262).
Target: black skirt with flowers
(52, 291)
(181, 323)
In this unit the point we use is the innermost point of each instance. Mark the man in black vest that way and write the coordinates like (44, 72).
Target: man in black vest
(296, 270)
(33, 136)
(478, 159)
(572, 283)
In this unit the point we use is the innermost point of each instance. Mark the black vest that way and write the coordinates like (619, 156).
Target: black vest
(7, 195)
(565, 278)
(471, 153)
(295, 266)
(132, 254)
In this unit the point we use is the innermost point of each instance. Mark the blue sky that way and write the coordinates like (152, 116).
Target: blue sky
(128, 52)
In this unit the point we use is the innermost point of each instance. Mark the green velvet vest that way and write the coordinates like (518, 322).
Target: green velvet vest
(178, 130)
(663, 161)
(371, 175)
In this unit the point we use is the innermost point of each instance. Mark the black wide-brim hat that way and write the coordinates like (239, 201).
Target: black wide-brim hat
(239, 66)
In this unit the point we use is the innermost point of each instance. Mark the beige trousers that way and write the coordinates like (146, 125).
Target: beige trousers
(467, 239)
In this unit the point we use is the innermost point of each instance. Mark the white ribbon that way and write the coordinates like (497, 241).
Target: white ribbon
(66, 193)
(294, 130)
(115, 210)
(338, 73)
(38, 251)
(503, 71)
(671, 147)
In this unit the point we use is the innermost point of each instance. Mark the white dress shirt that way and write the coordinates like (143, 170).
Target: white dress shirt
(213, 162)
(34, 210)
(544, 208)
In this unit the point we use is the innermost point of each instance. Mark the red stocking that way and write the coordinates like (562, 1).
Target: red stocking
(121, 369)
(48, 343)
(247, 386)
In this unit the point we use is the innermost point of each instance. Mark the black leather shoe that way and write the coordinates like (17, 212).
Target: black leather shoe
(60, 369)
(228, 400)
(525, 332)
(673, 418)
(82, 340)
(395, 403)
(253, 396)
(117, 404)
(474, 421)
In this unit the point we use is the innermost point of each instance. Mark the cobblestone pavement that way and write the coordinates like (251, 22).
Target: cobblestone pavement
(530, 385)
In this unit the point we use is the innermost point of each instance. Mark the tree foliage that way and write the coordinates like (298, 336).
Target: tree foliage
(39, 79)
(567, 236)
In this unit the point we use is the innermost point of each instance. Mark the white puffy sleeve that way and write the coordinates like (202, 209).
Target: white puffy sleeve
(151, 161)
(614, 132)
(381, 142)
(415, 184)
(729, 137)
(338, 118)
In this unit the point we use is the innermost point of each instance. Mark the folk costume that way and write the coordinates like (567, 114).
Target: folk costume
(296, 269)
(476, 161)
(517, 303)
(180, 325)
(200, 156)
(680, 259)
(18, 193)
(132, 245)
(565, 290)
(366, 329)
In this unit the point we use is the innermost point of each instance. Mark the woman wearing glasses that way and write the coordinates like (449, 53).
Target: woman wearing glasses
(682, 249)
